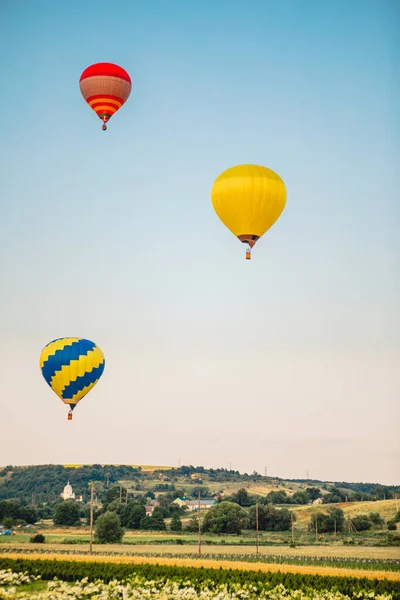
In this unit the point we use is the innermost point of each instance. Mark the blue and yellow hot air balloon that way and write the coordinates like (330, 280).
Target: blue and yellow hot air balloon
(71, 366)
(248, 199)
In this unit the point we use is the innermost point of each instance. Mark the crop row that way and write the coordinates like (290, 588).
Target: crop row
(198, 578)
(374, 564)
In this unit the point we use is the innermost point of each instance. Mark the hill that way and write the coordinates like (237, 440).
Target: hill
(44, 483)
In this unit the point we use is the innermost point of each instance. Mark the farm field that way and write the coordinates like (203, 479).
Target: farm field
(245, 540)
(109, 580)
(379, 553)
(215, 565)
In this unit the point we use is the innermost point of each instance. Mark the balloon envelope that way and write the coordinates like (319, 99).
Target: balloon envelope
(105, 87)
(71, 366)
(248, 199)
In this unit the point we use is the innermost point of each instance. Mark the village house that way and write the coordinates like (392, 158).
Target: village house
(150, 507)
(193, 505)
(317, 501)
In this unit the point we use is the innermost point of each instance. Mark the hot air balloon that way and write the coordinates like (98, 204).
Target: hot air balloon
(248, 199)
(105, 87)
(71, 366)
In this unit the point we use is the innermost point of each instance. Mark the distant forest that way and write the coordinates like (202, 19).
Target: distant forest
(44, 483)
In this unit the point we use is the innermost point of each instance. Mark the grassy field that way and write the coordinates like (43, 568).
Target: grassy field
(386, 508)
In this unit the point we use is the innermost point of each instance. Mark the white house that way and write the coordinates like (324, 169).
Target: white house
(194, 504)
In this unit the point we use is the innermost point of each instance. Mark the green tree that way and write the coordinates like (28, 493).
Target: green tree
(204, 491)
(108, 528)
(163, 506)
(157, 520)
(241, 497)
(270, 518)
(226, 517)
(28, 514)
(134, 514)
(376, 519)
(113, 493)
(313, 493)
(193, 524)
(391, 525)
(8, 522)
(67, 514)
(280, 497)
(334, 517)
(146, 523)
(361, 522)
(176, 523)
(300, 498)
(334, 496)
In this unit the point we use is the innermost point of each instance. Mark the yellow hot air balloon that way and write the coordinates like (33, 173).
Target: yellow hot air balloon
(248, 199)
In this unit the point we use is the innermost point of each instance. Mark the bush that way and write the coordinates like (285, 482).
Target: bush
(361, 522)
(38, 539)
(391, 525)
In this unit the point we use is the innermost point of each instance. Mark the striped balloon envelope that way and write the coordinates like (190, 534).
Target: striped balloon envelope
(105, 87)
(71, 366)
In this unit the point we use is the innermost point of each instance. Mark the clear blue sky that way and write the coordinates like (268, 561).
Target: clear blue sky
(288, 360)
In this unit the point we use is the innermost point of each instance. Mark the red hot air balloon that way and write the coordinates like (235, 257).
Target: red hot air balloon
(105, 87)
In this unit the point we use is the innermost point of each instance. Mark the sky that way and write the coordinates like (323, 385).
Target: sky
(289, 361)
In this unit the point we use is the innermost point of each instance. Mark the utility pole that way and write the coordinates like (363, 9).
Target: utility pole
(265, 471)
(120, 494)
(256, 527)
(91, 516)
(316, 528)
(395, 499)
(199, 524)
(291, 518)
(126, 497)
(334, 530)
